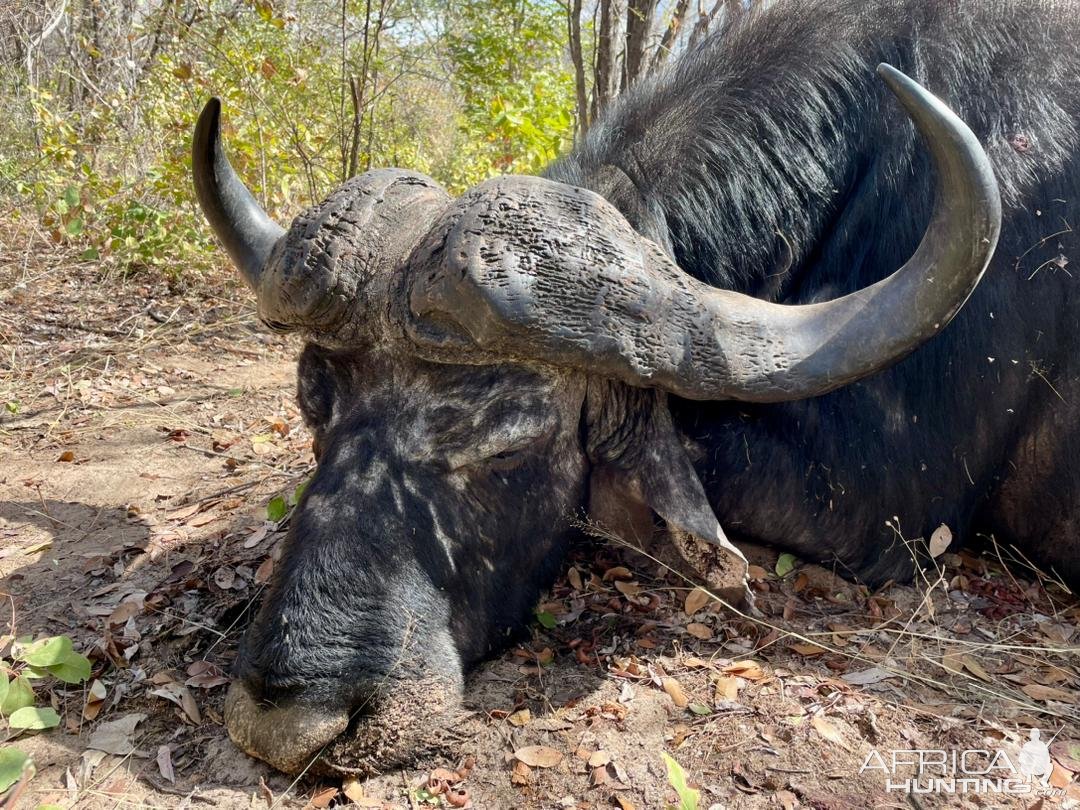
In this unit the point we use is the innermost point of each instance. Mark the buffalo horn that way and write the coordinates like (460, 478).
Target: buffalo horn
(248, 234)
(531, 269)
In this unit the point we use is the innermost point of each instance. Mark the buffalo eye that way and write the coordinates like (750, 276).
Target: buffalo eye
(506, 460)
(502, 455)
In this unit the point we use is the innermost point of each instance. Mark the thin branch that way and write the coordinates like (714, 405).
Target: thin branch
(671, 34)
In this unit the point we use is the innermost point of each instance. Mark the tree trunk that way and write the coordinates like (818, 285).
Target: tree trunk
(357, 122)
(671, 34)
(704, 21)
(604, 87)
(573, 17)
(639, 19)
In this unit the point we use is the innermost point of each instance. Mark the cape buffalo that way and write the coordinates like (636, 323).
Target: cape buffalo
(697, 315)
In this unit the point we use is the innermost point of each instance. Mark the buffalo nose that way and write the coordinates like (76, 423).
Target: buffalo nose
(288, 736)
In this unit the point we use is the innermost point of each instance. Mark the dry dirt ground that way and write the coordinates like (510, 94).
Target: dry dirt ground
(144, 427)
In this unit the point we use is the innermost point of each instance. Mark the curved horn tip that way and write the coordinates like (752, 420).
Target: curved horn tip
(903, 86)
(207, 128)
(207, 133)
(246, 231)
(887, 71)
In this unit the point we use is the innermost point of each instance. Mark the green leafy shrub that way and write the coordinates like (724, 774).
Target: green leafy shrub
(52, 657)
(107, 168)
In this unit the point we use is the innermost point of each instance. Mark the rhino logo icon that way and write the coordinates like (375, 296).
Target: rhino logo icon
(1034, 759)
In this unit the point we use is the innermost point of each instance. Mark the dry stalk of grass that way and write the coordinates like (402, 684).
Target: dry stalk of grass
(923, 651)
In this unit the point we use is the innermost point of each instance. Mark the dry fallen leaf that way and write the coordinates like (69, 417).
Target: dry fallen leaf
(953, 662)
(751, 670)
(575, 579)
(95, 699)
(940, 540)
(114, 736)
(164, 763)
(828, 730)
(675, 692)
(520, 773)
(1060, 777)
(182, 697)
(627, 588)
(257, 536)
(443, 775)
(1040, 692)
(205, 675)
(679, 734)
(353, 789)
(976, 669)
(224, 577)
(203, 519)
(599, 759)
(1067, 752)
(695, 601)
(265, 569)
(867, 676)
(323, 798)
(131, 606)
(807, 648)
(538, 756)
(598, 776)
(699, 630)
(617, 572)
(184, 512)
(519, 718)
(727, 688)
(458, 797)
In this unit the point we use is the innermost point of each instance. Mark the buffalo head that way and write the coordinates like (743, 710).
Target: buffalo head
(482, 369)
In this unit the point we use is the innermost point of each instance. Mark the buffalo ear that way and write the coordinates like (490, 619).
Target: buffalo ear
(315, 385)
(319, 377)
(647, 473)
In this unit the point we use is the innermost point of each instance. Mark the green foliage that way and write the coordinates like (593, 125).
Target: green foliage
(279, 506)
(518, 92)
(460, 90)
(130, 222)
(18, 694)
(785, 564)
(34, 660)
(688, 796)
(31, 660)
(12, 764)
(34, 718)
(49, 656)
(277, 509)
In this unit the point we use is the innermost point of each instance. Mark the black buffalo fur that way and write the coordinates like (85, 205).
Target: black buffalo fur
(772, 160)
